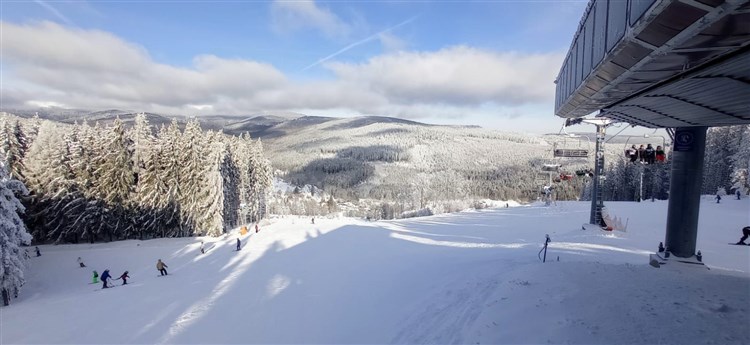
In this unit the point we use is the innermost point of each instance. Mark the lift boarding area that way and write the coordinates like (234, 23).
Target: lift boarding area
(682, 65)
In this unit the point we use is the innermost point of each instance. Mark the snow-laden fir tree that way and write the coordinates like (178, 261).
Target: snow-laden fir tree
(231, 175)
(49, 178)
(192, 156)
(741, 161)
(114, 183)
(13, 234)
(263, 181)
(169, 141)
(210, 198)
(141, 139)
(13, 144)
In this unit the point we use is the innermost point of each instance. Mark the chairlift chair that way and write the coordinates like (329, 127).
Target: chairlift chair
(571, 147)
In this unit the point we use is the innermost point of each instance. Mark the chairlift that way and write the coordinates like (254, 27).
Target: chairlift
(585, 172)
(572, 147)
(658, 159)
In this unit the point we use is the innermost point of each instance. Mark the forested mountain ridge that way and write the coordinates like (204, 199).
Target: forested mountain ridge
(385, 167)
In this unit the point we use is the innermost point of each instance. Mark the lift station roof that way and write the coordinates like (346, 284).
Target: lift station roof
(659, 63)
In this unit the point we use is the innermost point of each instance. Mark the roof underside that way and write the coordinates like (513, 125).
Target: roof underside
(718, 95)
(677, 64)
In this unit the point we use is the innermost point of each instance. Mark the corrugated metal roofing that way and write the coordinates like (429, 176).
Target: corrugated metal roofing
(718, 95)
(668, 68)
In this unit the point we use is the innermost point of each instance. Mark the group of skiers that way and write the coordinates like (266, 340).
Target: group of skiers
(646, 155)
(106, 278)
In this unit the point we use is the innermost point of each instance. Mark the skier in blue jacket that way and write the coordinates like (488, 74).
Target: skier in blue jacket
(104, 277)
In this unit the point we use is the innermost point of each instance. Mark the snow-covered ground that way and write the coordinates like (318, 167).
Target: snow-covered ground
(471, 277)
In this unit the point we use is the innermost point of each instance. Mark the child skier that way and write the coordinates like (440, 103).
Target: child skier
(80, 262)
(95, 279)
(38, 253)
(124, 278)
(105, 276)
(162, 268)
(239, 244)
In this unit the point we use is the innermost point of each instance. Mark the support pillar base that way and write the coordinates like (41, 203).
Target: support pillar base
(659, 259)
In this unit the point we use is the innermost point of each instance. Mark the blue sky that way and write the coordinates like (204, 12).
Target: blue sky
(488, 63)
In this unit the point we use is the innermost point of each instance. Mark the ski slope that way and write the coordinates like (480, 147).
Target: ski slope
(470, 277)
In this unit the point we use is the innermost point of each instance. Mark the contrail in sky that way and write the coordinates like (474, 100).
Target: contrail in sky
(360, 42)
(55, 12)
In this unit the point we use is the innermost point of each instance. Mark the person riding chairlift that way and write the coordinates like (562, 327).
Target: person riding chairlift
(660, 155)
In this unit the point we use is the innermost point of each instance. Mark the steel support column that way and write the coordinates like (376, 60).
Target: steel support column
(597, 201)
(685, 190)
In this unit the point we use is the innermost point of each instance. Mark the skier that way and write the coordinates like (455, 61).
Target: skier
(38, 253)
(313, 220)
(718, 198)
(660, 155)
(739, 194)
(162, 268)
(745, 235)
(95, 279)
(80, 262)
(650, 154)
(124, 278)
(256, 228)
(203, 250)
(239, 244)
(105, 276)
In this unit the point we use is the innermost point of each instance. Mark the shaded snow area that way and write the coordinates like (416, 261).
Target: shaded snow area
(470, 277)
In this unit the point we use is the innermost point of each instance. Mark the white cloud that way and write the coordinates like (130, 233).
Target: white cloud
(290, 16)
(45, 63)
(457, 75)
(392, 43)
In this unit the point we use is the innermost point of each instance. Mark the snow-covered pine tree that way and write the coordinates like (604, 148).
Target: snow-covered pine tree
(192, 157)
(210, 197)
(141, 140)
(741, 161)
(263, 180)
(13, 144)
(716, 165)
(151, 194)
(243, 156)
(12, 235)
(114, 184)
(90, 218)
(170, 142)
(49, 179)
(34, 126)
(231, 176)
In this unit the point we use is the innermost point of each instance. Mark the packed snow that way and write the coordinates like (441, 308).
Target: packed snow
(470, 277)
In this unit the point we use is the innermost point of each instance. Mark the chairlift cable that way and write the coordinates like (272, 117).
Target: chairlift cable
(618, 133)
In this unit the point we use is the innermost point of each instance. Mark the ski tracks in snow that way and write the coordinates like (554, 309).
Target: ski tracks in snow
(447, 314)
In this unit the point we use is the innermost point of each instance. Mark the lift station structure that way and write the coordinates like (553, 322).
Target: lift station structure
(676, 64)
